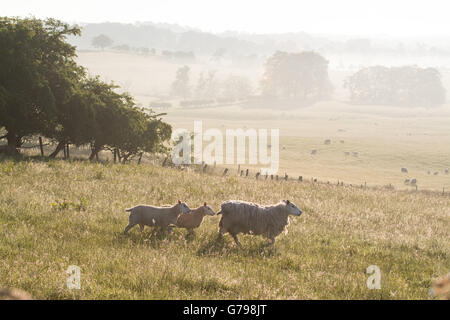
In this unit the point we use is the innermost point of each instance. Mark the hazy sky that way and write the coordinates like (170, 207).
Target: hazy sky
(388, 17)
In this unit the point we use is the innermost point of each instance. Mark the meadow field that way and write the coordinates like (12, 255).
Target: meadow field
(59, 213)
(386, 138)
(386, 141)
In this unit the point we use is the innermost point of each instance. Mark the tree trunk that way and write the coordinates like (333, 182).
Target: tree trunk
(58, 149)
(119, 157)
(94, 152)
(14, 142)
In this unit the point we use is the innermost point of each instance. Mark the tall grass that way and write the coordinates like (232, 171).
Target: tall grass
(55, 214)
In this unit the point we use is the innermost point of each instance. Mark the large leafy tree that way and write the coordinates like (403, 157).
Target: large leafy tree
(122, 126)
(180, 87)
(401, 86)
(302, 76)
(76, 117)
(38, 68)
(102, 41)
(43, 91)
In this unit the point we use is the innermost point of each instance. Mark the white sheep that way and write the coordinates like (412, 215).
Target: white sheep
(250, 218)
(162, 217)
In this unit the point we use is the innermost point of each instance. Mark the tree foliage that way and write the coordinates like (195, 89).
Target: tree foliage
(180, 87)
(37, 68)
(302, 76)
(102, 41)
(402, 86)
(44, 92)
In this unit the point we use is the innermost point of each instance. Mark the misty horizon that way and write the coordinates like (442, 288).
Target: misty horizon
(352, 18)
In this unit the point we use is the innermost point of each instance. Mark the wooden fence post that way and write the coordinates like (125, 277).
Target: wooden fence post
(41, 146)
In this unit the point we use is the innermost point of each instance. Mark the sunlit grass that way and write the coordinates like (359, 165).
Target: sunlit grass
(55, 214)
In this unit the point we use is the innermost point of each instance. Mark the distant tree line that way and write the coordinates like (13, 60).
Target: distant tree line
(44, 92)
(208, 87)
(400, 86)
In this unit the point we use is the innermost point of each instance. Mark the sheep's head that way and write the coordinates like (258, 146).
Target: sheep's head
(207, 210)
(183, 207)
(292, 208)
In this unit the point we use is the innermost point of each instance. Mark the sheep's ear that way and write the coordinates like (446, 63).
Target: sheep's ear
(179, 201)
(287, 202)
(204, 204)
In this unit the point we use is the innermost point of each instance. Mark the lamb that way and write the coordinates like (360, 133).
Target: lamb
(193, 219)
(250, 218)
(162, 217)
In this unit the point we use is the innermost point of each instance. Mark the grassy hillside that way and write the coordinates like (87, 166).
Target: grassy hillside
(55, 214)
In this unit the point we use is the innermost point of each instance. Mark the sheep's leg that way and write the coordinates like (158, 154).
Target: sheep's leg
(141, 226)
(236, 240)
(222, 230)
(128, 227)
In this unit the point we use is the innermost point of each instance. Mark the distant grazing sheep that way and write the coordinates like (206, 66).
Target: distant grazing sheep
(441, 288)
(413, 181)
(328, 141)
(347, 153)
(162, 217)
(250, 218)
(407, 181)
(194, 218)
(14, 294)
(342, 141)
(446, 171)
(314, 151)
(355, 154)
(436, 173)
(404, 170)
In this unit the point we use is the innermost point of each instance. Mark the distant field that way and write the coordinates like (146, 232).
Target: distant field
(55, 214)
(385, 141)
(386, 138)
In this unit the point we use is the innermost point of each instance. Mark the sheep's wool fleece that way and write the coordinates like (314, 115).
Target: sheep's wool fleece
(251, 218)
